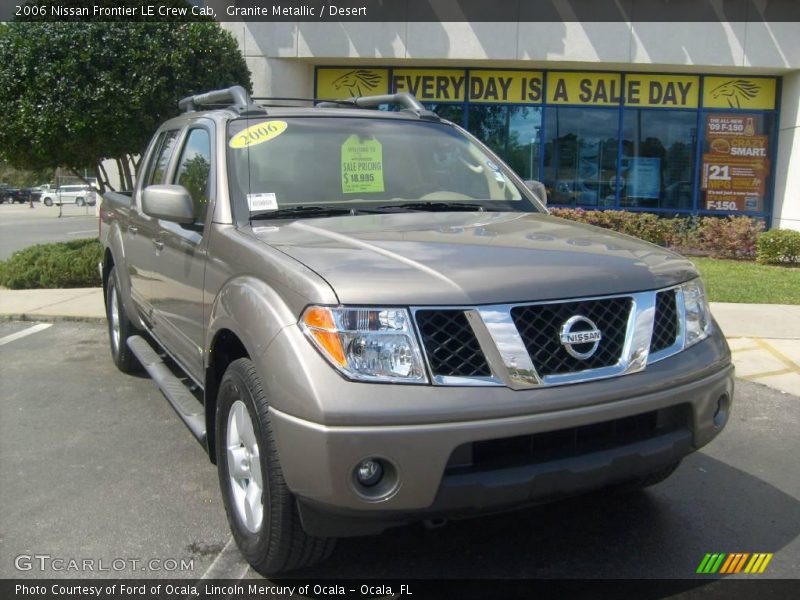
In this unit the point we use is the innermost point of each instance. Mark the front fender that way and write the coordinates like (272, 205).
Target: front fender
(252, 310)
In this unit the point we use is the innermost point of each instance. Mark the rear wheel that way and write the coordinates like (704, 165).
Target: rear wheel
(261, 510)
(80, 202)
(120, 327)
(48, 202)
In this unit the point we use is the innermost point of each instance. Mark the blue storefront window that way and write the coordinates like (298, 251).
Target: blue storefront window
(656, 142)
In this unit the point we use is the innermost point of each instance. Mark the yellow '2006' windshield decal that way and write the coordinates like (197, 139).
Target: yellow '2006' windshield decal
(362, 166)
(258, 134)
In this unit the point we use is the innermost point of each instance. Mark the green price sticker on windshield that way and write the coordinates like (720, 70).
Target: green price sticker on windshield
(362, 166)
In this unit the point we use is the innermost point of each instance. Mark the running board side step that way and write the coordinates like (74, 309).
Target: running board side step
(180, 398)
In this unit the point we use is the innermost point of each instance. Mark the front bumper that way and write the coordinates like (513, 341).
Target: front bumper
(319, 460)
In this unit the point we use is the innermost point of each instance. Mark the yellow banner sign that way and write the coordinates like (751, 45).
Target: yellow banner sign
(431, 85)
(505, 86)
(597, 89)
(610, 89)
(335, 84)
(739, 92)
(665, 91)
(563, 87)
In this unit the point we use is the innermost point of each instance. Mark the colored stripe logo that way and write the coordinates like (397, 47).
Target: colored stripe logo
(736, 562)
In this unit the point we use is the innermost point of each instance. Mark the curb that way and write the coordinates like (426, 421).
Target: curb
(49, 318)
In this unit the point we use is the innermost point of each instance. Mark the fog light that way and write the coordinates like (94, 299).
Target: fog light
(723, 410)
(369, 472)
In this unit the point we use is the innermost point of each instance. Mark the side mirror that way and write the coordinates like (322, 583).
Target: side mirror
(538, 189)
(168, 202)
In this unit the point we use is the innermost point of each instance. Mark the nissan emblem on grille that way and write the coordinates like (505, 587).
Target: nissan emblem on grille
(579, 331)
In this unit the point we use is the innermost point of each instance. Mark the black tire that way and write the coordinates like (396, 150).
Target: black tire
(48, 201)
(280, 544)
(115, 315)
(79, 202)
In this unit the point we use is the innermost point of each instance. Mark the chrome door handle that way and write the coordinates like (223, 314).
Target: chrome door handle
(158, 245)
(133, 230)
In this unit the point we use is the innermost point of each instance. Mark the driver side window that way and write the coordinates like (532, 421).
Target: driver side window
(158, 166)
(194, 170)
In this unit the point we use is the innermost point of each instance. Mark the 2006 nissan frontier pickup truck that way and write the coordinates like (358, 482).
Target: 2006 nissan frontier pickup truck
(368, 320)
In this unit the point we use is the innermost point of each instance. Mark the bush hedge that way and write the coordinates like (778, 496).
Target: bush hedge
(779, 246)
(58, 265)
(646, 226)
(720, 237)
(729, 237)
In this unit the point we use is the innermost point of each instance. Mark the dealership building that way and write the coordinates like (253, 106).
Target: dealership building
(673, 118)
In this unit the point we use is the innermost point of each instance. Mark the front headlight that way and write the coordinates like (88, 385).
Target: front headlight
(367, 344)
(697, 314)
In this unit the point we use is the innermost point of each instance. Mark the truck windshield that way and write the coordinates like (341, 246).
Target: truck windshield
(371, 164)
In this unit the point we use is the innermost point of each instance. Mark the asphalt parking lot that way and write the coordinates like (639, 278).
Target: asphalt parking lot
(94, 464)
(22, 226)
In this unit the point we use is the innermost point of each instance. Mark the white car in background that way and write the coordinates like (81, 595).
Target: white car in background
(80, 195)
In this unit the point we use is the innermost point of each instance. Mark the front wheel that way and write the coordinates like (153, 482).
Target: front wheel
(80, 202)
(48, 202)
(261, 510)
(120, 327)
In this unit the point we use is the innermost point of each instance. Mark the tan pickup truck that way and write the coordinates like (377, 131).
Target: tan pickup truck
(368, 320)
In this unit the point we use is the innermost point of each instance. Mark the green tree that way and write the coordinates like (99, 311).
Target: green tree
(76, 94)
(195, 179)
(23, 177)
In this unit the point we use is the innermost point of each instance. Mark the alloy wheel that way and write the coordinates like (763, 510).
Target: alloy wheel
(244, 468)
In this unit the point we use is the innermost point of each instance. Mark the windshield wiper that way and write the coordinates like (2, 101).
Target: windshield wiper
(303, 211)
(434, 206)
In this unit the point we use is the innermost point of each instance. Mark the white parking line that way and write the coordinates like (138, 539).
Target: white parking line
(82, 232)
(25, 332)
(228, 564)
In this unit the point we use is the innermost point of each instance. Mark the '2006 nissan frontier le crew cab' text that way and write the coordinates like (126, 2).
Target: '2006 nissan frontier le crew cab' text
(368, 320)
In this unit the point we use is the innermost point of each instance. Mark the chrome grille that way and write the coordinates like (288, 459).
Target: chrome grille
(450, 344)
(665, 328)
(539, 326)
(520, 345)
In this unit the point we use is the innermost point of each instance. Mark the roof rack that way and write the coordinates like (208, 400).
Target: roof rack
(236, 95)
(407, 101)
(279, 101)
(237, 98)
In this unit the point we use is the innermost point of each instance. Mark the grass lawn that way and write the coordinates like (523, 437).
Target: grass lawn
(739, 281)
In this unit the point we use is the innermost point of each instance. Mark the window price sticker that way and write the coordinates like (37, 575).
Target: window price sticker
(259, 202)
(362, 166)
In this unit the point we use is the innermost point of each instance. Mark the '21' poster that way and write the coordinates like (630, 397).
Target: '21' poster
(735, 164)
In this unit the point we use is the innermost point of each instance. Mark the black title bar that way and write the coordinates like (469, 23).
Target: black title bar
(707, 588)
(356, 11)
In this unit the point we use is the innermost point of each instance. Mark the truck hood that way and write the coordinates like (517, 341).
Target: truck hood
(448, 258)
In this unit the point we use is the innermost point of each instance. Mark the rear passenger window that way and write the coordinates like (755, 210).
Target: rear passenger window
(162, 158)
(194, 170)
